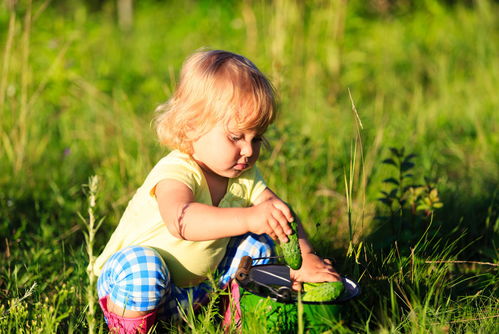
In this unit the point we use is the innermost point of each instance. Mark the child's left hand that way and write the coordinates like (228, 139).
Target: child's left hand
(314, 269)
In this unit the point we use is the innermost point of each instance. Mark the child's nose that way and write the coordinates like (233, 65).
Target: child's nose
(247, 150)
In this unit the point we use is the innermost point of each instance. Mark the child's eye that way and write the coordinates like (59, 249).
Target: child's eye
(235, 137)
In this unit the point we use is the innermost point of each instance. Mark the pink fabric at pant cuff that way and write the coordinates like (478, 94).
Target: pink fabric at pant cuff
(122, 325)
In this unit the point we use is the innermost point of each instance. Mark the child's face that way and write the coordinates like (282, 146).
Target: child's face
(226, 151)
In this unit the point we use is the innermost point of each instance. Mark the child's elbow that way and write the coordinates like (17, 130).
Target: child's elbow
(175, 231)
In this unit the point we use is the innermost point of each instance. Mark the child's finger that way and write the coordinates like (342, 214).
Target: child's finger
(328, 263)
(286, 211)
(283, 221)
(327, 277)
(277, 228)
(328, 266)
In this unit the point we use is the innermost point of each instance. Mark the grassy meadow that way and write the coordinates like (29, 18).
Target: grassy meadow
(387, 147)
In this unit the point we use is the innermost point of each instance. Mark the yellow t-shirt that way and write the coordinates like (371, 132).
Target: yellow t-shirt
(141, 224)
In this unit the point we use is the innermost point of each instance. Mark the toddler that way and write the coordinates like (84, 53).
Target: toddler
(203, 206)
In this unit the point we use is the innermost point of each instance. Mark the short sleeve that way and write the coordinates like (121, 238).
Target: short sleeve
(258, 185)
(174, 167)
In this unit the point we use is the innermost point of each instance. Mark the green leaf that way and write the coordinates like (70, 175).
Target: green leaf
(422, 207)
(386, 201)
(406, 166)
(409, 157)
(396, 152)
(389, 161)
(434, 194)
(413, 186)
(391, 180)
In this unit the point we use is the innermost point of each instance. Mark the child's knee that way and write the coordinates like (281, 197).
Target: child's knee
(135, 278)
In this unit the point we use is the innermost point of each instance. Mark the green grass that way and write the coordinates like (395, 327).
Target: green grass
(77, 95)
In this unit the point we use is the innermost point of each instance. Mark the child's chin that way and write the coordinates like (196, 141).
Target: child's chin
(236, 173)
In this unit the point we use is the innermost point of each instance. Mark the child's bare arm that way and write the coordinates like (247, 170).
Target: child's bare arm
(190, 220)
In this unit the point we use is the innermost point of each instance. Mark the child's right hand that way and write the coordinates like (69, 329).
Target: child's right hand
(272, 216)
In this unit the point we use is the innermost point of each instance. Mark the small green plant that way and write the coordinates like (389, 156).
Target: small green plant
(406, 200)
(28, 315)
(91, 225)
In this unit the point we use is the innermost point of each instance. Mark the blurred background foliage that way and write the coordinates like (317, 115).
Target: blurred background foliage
(80, 81)
(80, 84)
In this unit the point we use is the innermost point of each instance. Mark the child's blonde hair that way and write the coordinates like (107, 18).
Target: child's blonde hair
(215, 86)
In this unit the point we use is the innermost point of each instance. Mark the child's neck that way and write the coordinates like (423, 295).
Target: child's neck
(216, 184)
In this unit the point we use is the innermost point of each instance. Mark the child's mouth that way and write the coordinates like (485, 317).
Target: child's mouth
(241, 167)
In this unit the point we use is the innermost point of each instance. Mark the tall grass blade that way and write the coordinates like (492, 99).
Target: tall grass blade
(6, 60)
(91, 225)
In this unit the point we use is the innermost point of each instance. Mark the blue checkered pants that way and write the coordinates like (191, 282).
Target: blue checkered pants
(137, 278)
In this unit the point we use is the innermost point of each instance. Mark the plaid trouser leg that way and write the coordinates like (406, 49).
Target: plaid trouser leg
(250, 244)
(136, 278)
